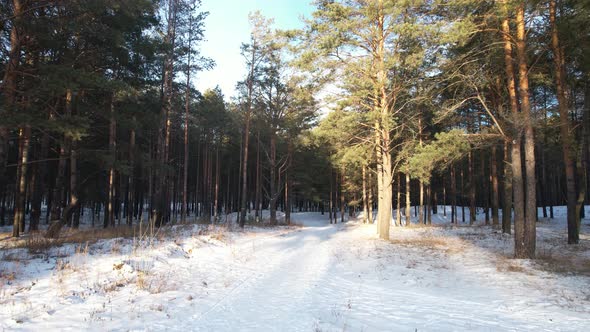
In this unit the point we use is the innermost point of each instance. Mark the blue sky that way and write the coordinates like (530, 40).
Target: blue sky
(227, 28)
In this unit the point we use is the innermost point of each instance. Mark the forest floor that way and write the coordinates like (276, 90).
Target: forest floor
(311, 277)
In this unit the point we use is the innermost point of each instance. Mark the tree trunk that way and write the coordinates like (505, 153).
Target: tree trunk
(288, 184)
(567, 139)
(160, 203)
(39, 187)
(472, 207)
(9, 88)
(428, 205)
(73, 182)
(273, 184)
(216, 196)
(584, 158)
(342, 200)
(331, 194)
(408, 202)
(258, 210)
(365, 201)
(131, 181)
(110, 203)
(444, 197)
(398, 212)
(420, 207)
(495, 192)
(370, 197)
(24, 138)
(516, 170)
(526, 248)
(462, 194)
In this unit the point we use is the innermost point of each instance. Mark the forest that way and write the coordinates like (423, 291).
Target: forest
(391, 113)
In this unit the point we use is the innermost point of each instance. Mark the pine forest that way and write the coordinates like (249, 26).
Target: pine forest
(339, 165)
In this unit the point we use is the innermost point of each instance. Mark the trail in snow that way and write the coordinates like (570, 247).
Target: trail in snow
(319, 277)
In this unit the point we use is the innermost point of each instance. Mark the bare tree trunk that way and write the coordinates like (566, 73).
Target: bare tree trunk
(398, 212)
(131, 181)
(408, 202)
(495, 193)
(567, 139)
(4, 137)
(365, 201)
(453, 196)
(24, 138)
(526, 248)
(428, 205)
(216, 199)
(39, 187)
(378, 152)
(331, 194)
(462, 194)
(420, 207)
(110, 204)
(59, 192)
(485, 188)
(250, 91)
(516, 170)
(9, 89)
(444, 197)
(342, 198)
(472, 207)
(273, 182)
(258, 210)
(288, 185)
(161, 204)
(184, 207)
(73, 183)
(584, 158)
(370, 198)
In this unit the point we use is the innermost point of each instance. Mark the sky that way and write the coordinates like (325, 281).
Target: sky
(227, 27)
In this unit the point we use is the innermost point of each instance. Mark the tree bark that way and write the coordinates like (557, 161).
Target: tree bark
(160, 202)
(258, 210)
(472, 207)
(273, 182)
(408, 202)
(370, 196)
(331, 194)
(365, 201)
(342, 199)
(526, 248)
(39, 187)
(24, 138)
(398, 212)
(73, 183)
(495, 188)
(516, 169)
(131, 181)
(110, 203)
(567, 139)
(217, 179)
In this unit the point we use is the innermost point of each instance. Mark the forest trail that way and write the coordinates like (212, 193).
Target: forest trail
(326, 277)
(317, 277)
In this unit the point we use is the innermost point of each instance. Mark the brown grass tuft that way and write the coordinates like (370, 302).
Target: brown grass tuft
(505, 264)
(426, 241)
(572, 264)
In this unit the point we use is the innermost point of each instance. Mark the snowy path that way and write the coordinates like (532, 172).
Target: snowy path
(320, 277)
(323, 278)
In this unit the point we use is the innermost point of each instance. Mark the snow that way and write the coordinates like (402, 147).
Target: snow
(314, 277)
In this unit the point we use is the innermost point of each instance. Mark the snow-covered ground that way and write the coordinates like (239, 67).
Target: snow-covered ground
(318, 277)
